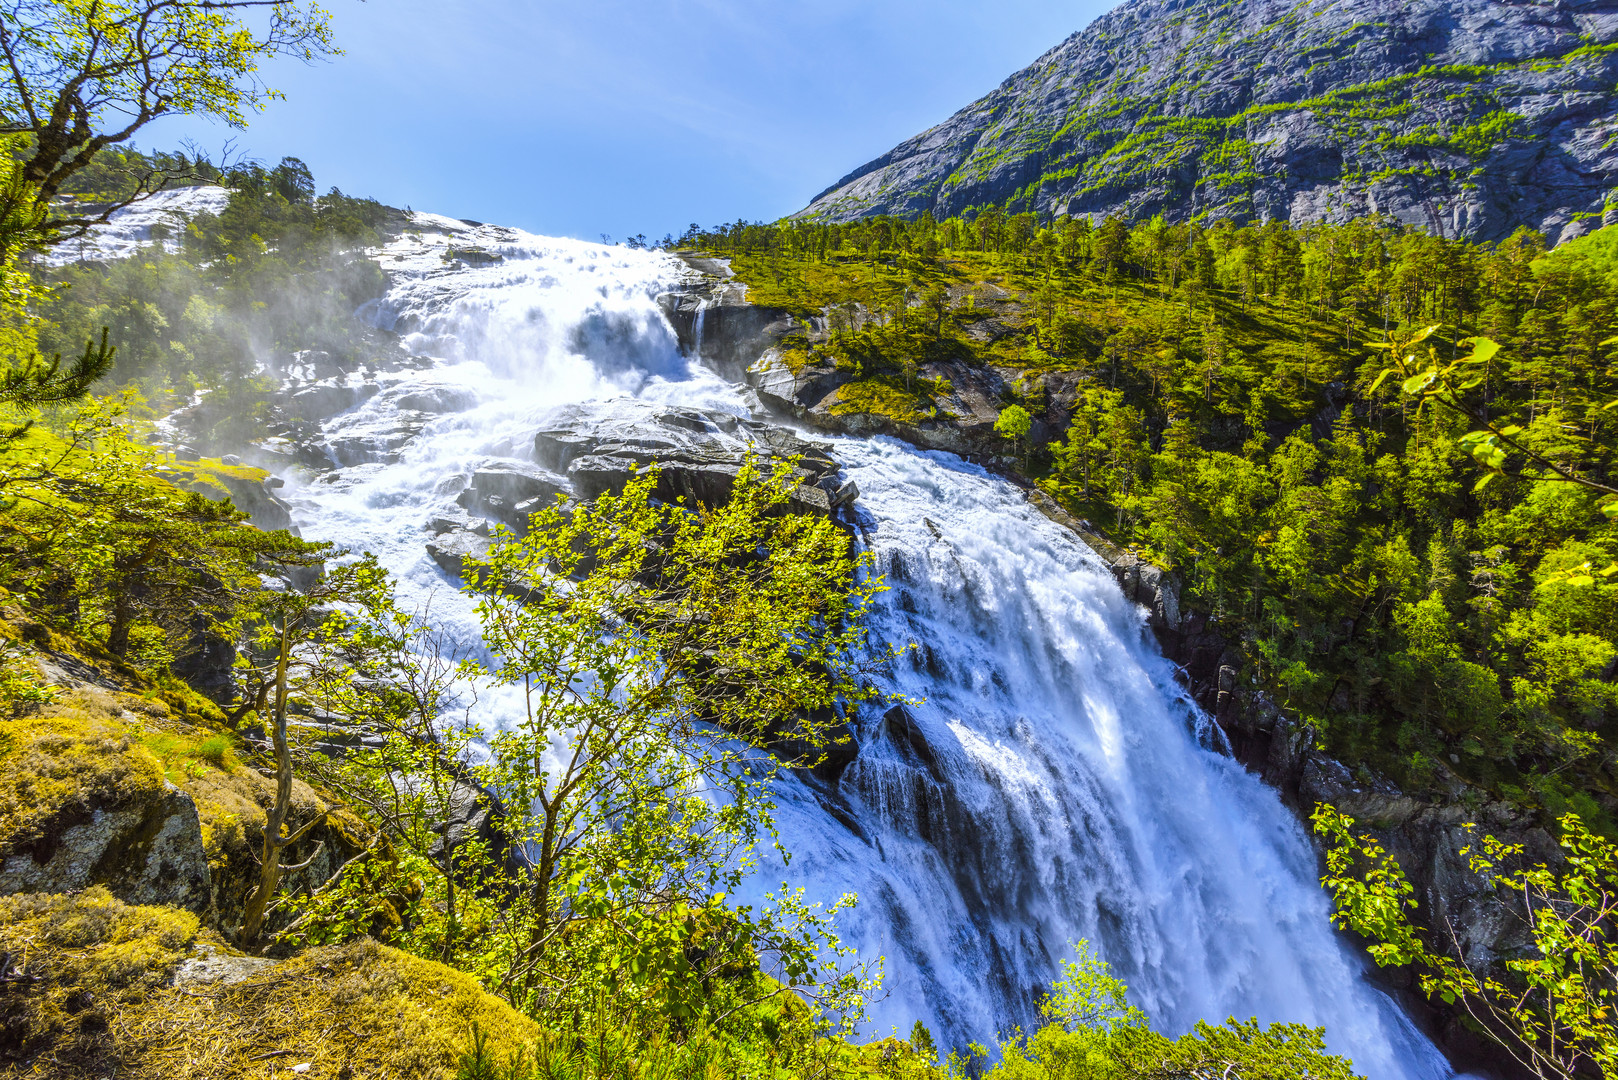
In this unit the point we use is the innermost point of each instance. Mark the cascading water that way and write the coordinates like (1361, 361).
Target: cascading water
(138, 225)
(1052, 785)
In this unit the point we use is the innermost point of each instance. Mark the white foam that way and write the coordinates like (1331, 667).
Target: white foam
(130, 230)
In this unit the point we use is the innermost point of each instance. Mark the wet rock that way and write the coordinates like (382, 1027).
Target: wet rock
(326, 400)
(516, 482)
(472, 256)
(698, 454)
(431, 399)
(509, 492)
(1152, 587)
(450, 548)
(907, 737)
(367, 447)
(557, 447)
(456, 520)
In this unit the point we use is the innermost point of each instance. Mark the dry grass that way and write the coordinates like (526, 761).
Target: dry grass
(102, 1006)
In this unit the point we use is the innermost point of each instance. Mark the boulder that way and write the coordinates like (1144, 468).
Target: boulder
(509, 491)
(429, 396)
(454, 545)
(697, 453)
(145, 849)
(456, 519)
(326, 400)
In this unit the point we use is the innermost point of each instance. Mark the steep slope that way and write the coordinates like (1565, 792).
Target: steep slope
(1466, 117)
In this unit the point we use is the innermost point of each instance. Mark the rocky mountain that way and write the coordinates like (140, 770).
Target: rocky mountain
(1465, 117)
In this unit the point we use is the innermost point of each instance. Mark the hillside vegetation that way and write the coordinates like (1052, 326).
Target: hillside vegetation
(315, 868)
(1210, 396)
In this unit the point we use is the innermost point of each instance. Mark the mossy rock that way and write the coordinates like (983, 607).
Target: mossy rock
(82, 803)
(103, 788)
(142, 992)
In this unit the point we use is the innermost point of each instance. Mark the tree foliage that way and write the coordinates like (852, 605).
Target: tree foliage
(1555, 1012)
(1095, 1034)
(84, 75)
(1219, 404)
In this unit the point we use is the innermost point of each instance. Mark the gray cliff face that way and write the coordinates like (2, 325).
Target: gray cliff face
(1464, 117)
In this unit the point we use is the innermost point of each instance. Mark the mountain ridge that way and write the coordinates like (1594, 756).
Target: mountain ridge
(1466, 117)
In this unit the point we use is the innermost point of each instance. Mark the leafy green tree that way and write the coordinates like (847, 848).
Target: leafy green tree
(1014, 423)
(1093, 1032)
(82, 75)
(398, 675)
(669, 658)
(124, 558)
(1444, 383)
(1557, 1016)
(297, 642)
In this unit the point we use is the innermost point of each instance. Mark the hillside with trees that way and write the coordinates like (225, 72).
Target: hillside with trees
(1433, 605)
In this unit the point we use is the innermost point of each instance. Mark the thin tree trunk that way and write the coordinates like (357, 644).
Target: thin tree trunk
(269, 879)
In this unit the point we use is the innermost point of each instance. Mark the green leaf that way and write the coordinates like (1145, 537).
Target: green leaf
(1483, 349)
(1483, 482)
(1417, 383)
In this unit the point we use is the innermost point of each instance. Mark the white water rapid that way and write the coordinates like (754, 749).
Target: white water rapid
(131, 229)
(1052, 786)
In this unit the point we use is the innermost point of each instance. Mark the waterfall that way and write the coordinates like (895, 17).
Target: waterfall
(133, 227)
(696, 327)
(1049, 785)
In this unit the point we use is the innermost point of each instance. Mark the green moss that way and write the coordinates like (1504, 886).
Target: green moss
(102, 1004)
(59, 767)
(881, 397)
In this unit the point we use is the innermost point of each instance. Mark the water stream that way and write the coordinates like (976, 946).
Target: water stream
(1055, 783)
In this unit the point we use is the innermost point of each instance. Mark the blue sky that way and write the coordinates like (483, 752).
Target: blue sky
(626, 116)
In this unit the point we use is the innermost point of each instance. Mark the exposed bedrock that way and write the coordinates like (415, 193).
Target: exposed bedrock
(1462, 117)
(740, 340)
(145, 846)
